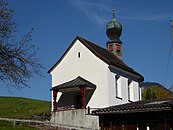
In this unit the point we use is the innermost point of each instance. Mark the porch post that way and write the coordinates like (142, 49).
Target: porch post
(54, 100)
(83, 89)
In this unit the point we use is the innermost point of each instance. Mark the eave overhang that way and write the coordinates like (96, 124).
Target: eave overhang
(137, 107)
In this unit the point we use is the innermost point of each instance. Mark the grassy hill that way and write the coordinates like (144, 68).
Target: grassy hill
(24, 108)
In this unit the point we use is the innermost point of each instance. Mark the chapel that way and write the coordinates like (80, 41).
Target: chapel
(88, 75)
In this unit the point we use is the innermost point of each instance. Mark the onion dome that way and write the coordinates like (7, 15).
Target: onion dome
(114, 30)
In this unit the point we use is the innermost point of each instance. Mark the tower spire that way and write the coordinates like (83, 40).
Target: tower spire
(113, 31)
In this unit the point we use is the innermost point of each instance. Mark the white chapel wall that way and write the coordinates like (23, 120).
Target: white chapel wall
(136, 91)
(123, 92)
(87, 66)
(122, 97)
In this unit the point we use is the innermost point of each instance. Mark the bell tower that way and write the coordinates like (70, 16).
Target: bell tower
(113, 31)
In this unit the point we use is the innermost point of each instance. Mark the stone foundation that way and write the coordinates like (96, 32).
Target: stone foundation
(75, 119)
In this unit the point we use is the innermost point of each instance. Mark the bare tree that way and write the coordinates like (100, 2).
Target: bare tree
(18, 61)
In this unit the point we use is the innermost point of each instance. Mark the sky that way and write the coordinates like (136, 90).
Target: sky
(146, 35)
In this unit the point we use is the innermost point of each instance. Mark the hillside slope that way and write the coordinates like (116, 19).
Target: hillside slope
(24, 108)
(152, 90)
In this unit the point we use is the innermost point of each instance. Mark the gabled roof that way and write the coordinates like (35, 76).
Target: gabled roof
(78, 82)
(139, 106)
(101, 53)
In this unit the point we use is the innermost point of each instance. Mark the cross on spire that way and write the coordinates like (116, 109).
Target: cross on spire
(113, 11)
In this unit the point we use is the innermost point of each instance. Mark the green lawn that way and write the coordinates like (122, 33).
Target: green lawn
(17, 107)
(22, 108)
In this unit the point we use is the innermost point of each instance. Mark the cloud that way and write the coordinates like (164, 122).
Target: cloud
(88, 5)
(148, 17)
(93, 11)
(97, 13)
(94, 17)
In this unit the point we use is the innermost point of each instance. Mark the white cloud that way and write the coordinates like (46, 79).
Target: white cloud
(94, 17)
(92, 11)
(95, 13)
(88, 5)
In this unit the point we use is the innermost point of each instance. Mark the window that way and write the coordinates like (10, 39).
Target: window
(117, 87)
(110, 47)
(139, 92)
(78, 54)
(129, 90)
(118, 47)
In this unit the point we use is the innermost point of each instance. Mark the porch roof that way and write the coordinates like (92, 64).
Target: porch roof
(139, 106)
(74, 85)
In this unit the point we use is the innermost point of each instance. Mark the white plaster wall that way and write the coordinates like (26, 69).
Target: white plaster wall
(136, 96)
(123, 94)
(119, 87)
(124, 86)
(132, 91)
(87, 66)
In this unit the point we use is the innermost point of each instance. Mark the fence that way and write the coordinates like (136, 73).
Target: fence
(26, 121)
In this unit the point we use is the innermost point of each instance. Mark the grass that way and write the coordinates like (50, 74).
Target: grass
(7, 125)
(23, 108)
(16, 128)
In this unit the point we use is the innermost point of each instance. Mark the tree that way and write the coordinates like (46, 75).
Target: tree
(155, 92)
(149, 94)
(18, 61)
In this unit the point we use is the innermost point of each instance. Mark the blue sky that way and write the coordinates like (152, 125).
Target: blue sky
(146, 35)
